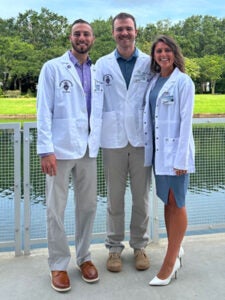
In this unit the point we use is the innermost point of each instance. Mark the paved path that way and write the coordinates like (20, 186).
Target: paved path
(202, 276)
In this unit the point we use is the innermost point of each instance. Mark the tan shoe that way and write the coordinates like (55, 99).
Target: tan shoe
(114, 262)
(141, 260)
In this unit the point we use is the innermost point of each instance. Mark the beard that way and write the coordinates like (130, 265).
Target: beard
(81, 48)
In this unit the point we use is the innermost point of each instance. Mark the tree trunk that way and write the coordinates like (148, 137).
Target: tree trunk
(213, 85)
(14, 83)
(20, 85)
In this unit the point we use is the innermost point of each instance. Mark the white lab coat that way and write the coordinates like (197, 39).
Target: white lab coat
(62, 118)
(174, 143)
(123, 108)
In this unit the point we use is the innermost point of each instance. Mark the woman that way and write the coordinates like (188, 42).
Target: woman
(169, 144)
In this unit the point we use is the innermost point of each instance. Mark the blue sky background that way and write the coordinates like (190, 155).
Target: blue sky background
(146, 11)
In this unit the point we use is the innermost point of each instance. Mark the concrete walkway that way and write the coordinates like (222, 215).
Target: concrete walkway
(201, 277)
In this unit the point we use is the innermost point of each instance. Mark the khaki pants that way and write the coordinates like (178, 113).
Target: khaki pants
(118, 163)
(84, 180)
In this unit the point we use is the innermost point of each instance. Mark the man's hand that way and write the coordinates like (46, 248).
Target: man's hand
(48, 165)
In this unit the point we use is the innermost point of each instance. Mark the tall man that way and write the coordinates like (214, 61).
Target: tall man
(69, 123)
(125, 74)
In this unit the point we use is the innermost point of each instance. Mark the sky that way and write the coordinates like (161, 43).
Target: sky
(144, 11)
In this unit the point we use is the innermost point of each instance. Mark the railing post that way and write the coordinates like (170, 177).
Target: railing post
(17, 188)
(26, 171)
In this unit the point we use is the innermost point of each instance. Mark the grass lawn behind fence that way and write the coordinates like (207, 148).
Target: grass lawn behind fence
(204, 104)
(17, 106)
(209, 104)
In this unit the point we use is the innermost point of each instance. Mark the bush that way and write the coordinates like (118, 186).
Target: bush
(12, 94)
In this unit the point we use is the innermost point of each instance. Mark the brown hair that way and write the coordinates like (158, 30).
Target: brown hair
(178, 57)
(123, 15)
(82, 22)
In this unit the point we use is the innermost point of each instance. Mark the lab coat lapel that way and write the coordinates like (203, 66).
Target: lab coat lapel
(169, 83)
(69, 67)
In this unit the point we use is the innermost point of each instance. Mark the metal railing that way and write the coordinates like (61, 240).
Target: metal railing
(22, 190)
(10, 187)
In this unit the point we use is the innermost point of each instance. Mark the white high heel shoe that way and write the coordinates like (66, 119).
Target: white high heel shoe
(157, 281)
(180, 255)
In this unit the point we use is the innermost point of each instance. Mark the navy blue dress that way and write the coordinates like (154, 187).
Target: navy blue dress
(178, 184)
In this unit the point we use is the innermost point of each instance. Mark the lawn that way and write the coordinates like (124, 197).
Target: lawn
(204, 104)
(17, 106)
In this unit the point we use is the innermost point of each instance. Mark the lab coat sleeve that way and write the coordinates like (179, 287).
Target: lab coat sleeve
(45, 107)
(186, 93)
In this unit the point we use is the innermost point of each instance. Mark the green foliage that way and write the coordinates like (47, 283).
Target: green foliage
(192, 68)
(104, 42)
(32, 38)
(212, 67)
(42, 30)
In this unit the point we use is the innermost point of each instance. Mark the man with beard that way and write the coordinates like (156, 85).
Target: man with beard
(125, 74)
(69, 125)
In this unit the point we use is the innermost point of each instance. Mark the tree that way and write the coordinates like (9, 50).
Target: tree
(211, 69)
(104, 42)
(145, 47)
(146, 34)
(32, 38)
(4, 61)
(212, 36)
(19, 63)
(7, 27)
(192, 37)
(192, 68)
(42, 30)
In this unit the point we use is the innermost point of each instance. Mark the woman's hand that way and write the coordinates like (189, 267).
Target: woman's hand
(180, 172)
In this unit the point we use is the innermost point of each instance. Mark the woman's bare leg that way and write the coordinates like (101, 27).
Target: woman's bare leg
(176, 225)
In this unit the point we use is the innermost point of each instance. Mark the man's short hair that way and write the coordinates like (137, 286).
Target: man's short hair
(124, 15)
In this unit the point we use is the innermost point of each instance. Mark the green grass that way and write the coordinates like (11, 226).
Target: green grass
(17, 106)
(204, 104)
(209, 104)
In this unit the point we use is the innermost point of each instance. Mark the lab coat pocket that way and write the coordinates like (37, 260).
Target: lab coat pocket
(170, 148)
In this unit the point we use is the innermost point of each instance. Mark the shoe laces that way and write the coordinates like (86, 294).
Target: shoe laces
(114, 255)
(140, 252)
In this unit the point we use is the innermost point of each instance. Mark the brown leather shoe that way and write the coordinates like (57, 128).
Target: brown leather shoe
(89, 271)
(60, 281)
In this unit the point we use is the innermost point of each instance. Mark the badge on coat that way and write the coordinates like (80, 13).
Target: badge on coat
(66, 85)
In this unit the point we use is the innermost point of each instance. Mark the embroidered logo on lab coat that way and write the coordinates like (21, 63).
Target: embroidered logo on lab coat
(66, 85)
(108, 79)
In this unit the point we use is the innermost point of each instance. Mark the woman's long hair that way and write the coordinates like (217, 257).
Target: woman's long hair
(178, 57)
